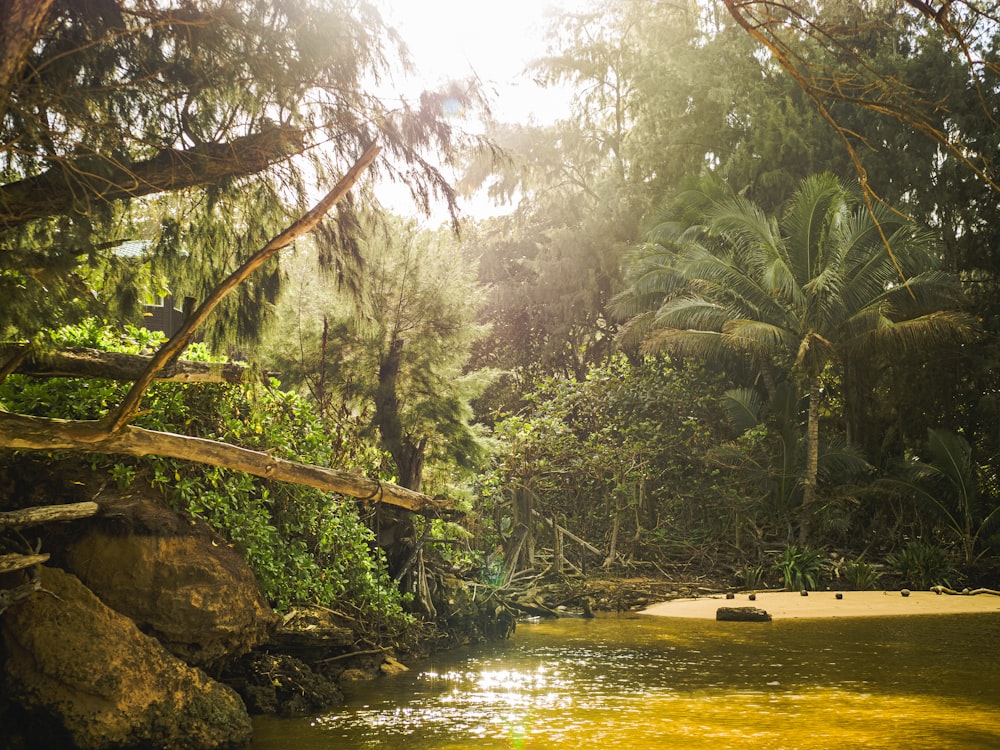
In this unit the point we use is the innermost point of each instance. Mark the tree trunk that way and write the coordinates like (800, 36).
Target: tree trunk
(80, 362)
(522, 513)
(615, 527)
(19, 32)
(812, 462)
(79, 186)
(406, 454)
(557, 547)
(38, 433)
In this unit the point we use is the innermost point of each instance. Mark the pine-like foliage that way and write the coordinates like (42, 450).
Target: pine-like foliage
(156, 145)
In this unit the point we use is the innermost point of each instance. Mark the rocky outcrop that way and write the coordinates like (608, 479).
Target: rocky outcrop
(97, 682)
(282, 684)
(175, 579)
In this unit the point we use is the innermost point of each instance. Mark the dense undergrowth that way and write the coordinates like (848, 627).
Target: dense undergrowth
(305, 546)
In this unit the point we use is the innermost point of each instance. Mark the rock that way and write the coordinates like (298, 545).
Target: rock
(99, 683)
(741, 614)
(356, 675)
(838, 596)
(280, 684)
(752, 597)
(803, 592)
(904, 592)
(312, 635)
(393, 666)
(177, 580)
(730, 595)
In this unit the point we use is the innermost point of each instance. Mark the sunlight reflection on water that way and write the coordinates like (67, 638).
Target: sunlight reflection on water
(645, 683)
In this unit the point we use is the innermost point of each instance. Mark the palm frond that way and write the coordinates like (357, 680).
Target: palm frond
(743, 407)
(817, 204)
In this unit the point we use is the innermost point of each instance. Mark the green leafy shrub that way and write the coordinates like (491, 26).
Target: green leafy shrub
(799, 567)
(305, 546)
(752, 576)
(922, 565)
(860, 575)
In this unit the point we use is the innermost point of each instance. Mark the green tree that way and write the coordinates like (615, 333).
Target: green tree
(948, 483)
(618, 455)
(827, 48)
(193, 133)
(389, 363)
(801, 293)
(393, 356)
(143, 142)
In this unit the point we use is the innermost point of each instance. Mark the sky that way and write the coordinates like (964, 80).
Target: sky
(491, 39)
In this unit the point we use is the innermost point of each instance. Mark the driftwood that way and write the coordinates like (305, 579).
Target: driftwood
(9, 597)
(11, 562)
(21, 432)
(81, 362)
(966, 592)
(47, 514)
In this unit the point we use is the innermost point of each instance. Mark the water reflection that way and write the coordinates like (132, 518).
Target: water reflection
(922, 682)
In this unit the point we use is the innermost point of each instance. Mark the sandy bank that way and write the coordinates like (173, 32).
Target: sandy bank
(791, 605)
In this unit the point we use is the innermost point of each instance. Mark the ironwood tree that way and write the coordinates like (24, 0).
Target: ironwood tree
(151, 146)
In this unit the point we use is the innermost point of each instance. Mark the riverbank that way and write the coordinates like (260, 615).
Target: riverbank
(824, 604)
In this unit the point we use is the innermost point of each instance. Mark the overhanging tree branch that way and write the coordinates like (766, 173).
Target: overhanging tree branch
(172, 348)
(22, 23)
(21, 432)
(74, 185)
(851, 78)
(81, 362)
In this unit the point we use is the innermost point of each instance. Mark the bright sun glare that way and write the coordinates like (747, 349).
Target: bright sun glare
(493, 40)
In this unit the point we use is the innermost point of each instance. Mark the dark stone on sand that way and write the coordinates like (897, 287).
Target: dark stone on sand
(741, 614)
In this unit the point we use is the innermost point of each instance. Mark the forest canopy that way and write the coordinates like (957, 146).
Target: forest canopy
(743, 299)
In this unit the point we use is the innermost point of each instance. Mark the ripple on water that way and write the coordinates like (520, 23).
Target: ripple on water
(662, 685)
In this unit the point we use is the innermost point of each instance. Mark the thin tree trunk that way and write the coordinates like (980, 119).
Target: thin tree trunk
(557, 547)
(812, 462)
(172, 349)
(613, 546)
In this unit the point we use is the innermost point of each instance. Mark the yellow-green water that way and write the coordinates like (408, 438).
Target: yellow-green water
(635, 683)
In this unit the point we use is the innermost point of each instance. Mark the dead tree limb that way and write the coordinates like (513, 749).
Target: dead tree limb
(21, 432)
(81, 362)
(42, 514)
(11, 562)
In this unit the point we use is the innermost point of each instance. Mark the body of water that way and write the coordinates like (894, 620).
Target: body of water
(636, 683)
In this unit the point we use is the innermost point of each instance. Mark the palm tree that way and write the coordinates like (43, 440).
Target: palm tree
(797, 294)
(949, 485)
